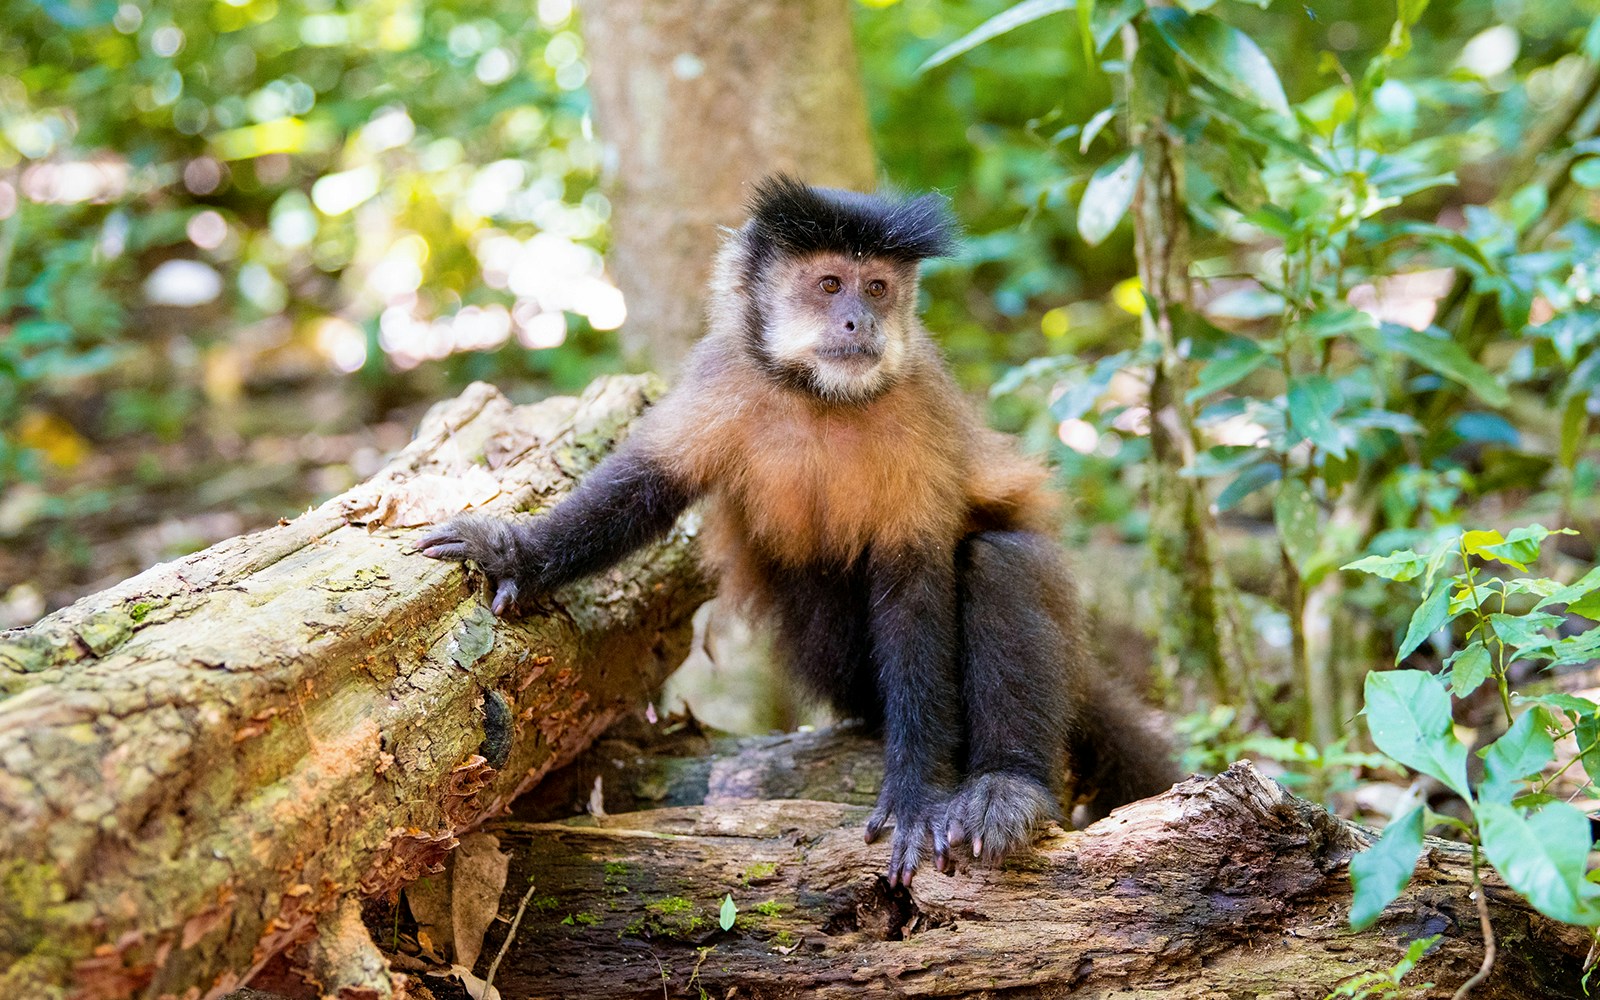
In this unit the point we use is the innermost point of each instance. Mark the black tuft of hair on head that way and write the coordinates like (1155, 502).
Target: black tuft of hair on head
(796, 219)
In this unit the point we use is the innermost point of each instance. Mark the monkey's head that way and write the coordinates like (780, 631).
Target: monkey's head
(827, 283)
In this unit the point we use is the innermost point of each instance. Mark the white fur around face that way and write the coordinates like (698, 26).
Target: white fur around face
(793, 335)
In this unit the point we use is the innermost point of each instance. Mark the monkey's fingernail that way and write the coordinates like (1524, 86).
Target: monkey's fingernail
(977, 847)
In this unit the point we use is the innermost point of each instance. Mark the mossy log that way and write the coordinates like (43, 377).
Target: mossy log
(1227, 887)
(210, 763)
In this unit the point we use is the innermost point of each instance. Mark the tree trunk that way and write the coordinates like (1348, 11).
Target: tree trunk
(694, 102)
(1227, 887)
(212, 761)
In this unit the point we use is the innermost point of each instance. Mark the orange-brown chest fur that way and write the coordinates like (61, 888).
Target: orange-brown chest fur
(792, 480)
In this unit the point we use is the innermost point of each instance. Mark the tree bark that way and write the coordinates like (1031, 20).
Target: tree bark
(694, 102)
(207, 764)
(1227, 887)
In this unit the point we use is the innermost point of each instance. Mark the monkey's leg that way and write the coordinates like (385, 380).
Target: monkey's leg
(1018, 639)
(822, 635)
(912, 622)
(629, 500)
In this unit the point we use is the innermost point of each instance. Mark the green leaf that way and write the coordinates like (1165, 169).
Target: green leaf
(1408, 714)
(1222, 54)
(1521, 546)
(1429, 618)
(1586, 172)
(1522, 750)
(1445, 357)
(727, 914)
(1093, 127)
(1398, 566)
(1247, 482)
(1543, 857)
(1314, 402)
(1086, 32)
(1224, 370)
(1582, 587)
(1525, 633)
(1473, 542)
(1108, 195)
(1469, 668)
(1009, 19)
(1295, 511)
(1588, 739)
(1381, 872)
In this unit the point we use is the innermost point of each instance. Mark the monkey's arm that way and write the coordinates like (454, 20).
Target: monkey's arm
(629, 500)
(913, 627)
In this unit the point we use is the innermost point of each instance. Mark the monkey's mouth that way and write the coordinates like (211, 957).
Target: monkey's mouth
(856, 353)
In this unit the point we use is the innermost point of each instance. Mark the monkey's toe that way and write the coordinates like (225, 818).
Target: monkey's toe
(997, 813)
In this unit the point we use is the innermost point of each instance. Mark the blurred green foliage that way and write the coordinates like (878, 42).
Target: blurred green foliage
(193, 193)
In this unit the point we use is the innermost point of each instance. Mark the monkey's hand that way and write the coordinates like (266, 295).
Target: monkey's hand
(920, 830)
(997, 814)
(500, 548)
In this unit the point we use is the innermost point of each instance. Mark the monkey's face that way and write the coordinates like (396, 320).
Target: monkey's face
(839, 322)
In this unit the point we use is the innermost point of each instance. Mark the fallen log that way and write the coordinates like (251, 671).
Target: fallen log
(210, 763)
(1223, 887)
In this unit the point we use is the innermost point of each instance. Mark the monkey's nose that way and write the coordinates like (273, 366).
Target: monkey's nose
(864, 323)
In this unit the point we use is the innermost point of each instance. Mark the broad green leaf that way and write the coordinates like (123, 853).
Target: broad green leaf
(726, 915)
(1224, 370)
(1588, 740)
(1582, 648)
(1522, 545)
(1408, 714)
(1295, 511)
(1108, 195)
(1588, 606)
(1525, 633)
(1522, 750)
(1314, 403)
(1381, 872)
(1586, 172)
(1222, 54)
(1559, 701)
(1583, 586)
(1429, 618)
(1009, 19)
(1247, 482)
(1474, 541)
(1398, 566)
(1469, 669)
(1543, 857)
(1444, 356)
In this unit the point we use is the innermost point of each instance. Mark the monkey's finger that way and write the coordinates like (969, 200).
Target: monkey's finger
(875, 823)
(955, 833)
(941, 848)
(444, 550)
(438, 536)
(505, 597)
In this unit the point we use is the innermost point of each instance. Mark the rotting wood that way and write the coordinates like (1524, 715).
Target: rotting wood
(1227, 887)
(200, 766)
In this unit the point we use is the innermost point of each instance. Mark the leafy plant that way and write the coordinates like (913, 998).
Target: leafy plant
(1537, 843)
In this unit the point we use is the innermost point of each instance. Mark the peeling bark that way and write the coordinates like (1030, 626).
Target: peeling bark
(199, 767)
(1227, 887)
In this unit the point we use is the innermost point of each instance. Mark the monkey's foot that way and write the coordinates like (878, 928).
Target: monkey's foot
(489, 543)
(997, 814)
(920, 832)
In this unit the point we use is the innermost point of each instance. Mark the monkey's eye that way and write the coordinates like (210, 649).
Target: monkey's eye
(876, 289)
(830, 284)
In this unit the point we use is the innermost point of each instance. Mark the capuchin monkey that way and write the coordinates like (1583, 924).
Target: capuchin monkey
(903, 553)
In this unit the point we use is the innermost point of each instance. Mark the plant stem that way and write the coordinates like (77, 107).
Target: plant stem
(1488, 930)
